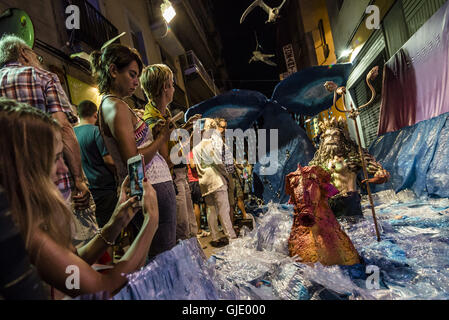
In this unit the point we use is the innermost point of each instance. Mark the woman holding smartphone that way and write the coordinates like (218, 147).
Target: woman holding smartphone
(117, 69)
(159, 87)
(30, 160)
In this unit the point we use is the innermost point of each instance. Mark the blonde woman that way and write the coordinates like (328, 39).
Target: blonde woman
(158, 84)
(30, 161)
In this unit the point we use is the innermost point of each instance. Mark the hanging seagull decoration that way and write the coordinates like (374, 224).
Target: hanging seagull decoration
(273, 13)
(259, 56)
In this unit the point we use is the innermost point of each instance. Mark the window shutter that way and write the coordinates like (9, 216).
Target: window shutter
(372, 54)
(369, 116)
(417, 12)
(370, 51)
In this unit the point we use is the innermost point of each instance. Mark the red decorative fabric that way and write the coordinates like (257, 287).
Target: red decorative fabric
(398, 108)
(416, 78)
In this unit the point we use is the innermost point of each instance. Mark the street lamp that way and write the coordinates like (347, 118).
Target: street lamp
(346, 53)
(168, 12)
(350, 54)
(355, 52)
(345, 56)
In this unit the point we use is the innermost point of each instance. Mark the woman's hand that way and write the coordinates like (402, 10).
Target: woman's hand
(149, 203)
(167, 129)
(81, 198)
(124, 211)
(158, 127)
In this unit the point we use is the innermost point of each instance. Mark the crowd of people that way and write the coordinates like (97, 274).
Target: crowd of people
(64, 185)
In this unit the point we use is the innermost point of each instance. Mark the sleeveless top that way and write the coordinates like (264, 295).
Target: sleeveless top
(156, 170)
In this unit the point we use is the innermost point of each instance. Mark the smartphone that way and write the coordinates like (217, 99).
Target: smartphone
(136, 174)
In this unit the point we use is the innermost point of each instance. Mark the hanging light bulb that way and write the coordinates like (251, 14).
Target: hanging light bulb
(168, 12)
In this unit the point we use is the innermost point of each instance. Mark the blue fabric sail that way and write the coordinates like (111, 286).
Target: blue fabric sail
(304, 93)
(294, 147)
(239, 107)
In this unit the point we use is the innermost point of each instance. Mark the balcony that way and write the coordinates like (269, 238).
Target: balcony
(199, 83)
(95, 29)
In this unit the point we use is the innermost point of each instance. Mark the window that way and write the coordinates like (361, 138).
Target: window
(138, 42)
(339, 4)
(95, 28)
(417, 12)
(395, 29)
(95, 4)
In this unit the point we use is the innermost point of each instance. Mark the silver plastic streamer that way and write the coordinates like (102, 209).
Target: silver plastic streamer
(411, 261)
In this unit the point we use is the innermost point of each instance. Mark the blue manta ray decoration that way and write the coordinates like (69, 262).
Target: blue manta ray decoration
(302, 93)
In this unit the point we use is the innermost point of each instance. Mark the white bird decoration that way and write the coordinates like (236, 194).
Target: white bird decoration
(273, 13)
(263, 57)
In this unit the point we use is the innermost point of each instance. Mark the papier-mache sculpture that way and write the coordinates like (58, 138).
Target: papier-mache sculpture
(316, 235)
(339, 155)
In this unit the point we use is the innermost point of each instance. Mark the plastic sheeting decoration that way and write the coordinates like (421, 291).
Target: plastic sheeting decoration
(294, 147)
(179, 274)
(239, 107)
(416, 157)
(302, 92)
(411, 261)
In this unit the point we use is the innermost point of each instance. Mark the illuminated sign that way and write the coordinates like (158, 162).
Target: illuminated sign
(289, 59)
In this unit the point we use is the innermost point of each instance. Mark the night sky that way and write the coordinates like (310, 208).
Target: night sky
(239, 42)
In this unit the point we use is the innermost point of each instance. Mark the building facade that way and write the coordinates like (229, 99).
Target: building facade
(305, 39)
(176, 43)
(325, 32)
(353, 29)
